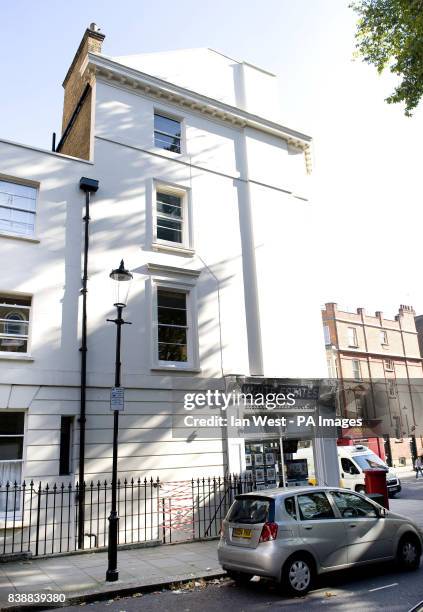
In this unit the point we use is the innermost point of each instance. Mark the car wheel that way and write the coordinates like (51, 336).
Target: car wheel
(298, 574)
(408, 554)
(239, 577)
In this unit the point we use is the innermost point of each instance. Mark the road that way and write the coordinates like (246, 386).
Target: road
(370, 588)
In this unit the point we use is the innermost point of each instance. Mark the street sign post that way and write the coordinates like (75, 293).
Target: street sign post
(117, 398)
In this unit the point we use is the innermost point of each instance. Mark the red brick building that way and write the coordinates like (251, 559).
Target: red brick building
(384, 355)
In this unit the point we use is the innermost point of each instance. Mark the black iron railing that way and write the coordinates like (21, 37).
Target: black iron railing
(43, 518)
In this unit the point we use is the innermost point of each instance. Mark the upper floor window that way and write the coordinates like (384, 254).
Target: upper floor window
(326, 332)
(167, 133)
(389, 365)
(352, 337)
(170, 216)
(392, 388)
(332, 368)
(17, 208)
(383, 337)
(356, 369)
(14, 323)
(172, 325)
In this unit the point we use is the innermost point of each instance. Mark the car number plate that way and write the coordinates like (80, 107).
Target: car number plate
(240, 532)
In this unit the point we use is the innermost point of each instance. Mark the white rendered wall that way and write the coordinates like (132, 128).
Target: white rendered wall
(239, 182)
(214, 75)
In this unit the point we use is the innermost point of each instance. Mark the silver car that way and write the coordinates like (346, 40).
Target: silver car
(291, 535)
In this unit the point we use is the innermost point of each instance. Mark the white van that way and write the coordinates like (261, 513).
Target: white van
(353, 460)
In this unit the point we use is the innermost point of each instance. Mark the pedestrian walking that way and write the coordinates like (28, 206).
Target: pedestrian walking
(418, 466)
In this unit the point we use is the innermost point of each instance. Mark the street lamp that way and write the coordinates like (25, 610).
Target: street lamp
(122, 280)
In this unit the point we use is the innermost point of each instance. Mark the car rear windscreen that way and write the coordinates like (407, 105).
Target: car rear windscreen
(249, 510)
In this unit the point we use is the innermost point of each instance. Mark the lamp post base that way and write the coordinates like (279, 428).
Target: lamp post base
(112, 575)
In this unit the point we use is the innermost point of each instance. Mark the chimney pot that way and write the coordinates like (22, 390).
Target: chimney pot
(94, 27)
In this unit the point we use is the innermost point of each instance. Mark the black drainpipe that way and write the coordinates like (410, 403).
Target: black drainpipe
(89, 186)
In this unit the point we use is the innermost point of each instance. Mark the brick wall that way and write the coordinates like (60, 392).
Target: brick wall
(78, 140)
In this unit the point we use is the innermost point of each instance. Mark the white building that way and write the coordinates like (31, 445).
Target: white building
(204, 195)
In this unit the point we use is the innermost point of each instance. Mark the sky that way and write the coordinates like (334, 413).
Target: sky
(367, 169)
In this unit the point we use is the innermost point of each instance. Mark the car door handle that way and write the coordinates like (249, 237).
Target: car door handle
(308, 527)
(353, 525)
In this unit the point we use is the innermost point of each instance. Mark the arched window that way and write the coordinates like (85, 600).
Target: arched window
(14, 326)
(14, 323)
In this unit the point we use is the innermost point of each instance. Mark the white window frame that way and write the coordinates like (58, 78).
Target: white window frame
(389, 365)
(326, 333)
(392, 388)
(187, 286)
(17, 516)
(174, 117)
(354, 342)
(360, 376)
(22, 183)
(332, 367)
(384, 337)
(186, 247)
(18, 354)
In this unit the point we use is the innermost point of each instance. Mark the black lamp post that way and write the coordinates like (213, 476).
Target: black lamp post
(122, 278)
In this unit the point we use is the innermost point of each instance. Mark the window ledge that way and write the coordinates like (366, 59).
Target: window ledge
(15, 357)
(163, 368)
(168, 248)
(17, 237)
(182, 156)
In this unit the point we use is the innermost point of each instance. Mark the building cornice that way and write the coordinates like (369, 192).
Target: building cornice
(364, 354)
(108, 69)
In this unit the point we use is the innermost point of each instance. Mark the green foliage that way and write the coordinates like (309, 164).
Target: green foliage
(390, 35)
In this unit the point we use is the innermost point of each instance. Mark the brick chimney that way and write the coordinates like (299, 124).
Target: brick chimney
(76, 121)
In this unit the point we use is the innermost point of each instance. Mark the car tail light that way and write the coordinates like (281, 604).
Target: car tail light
(269, 532)
(221, 530)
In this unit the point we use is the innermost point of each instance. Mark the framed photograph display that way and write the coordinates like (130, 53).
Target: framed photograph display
(258, 459)
(248, 461)
(270, 459)
(270, 474)
(260, 475)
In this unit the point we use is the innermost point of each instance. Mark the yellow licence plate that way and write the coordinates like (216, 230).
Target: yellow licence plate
(239, 532)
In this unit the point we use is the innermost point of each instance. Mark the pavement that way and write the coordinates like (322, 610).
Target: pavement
(81, 577)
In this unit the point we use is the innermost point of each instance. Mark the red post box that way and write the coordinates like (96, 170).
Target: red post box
(375, 482)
